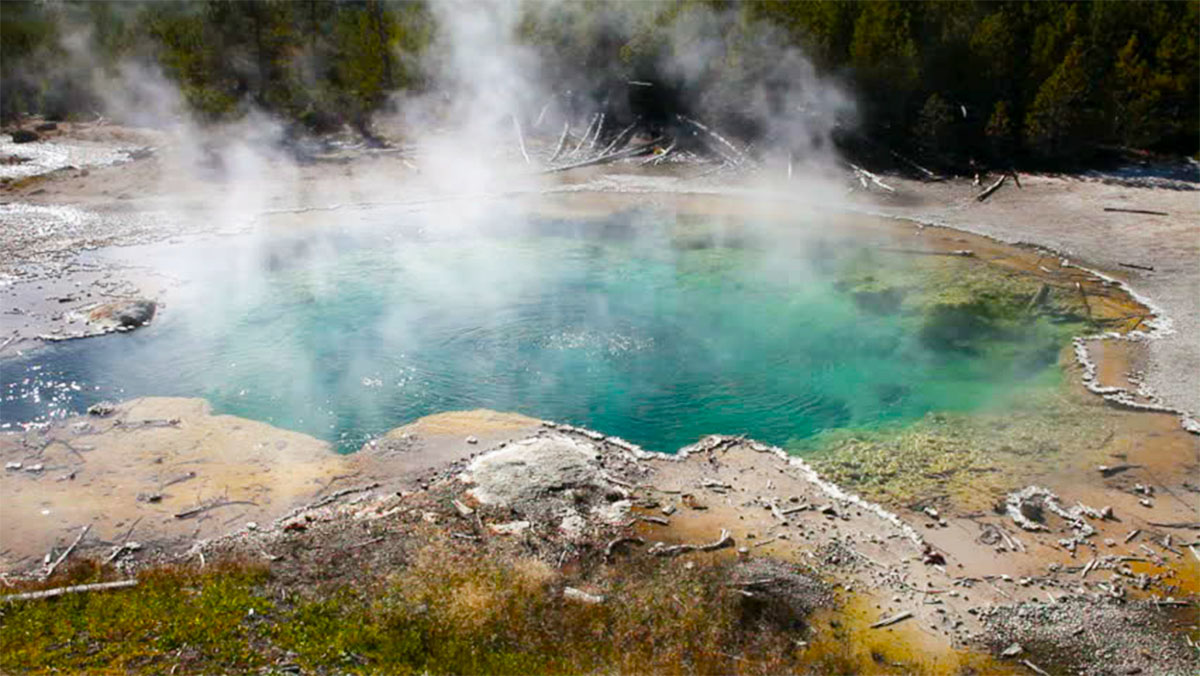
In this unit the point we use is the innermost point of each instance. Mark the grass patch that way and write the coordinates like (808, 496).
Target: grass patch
(450, 609)
(174, 615)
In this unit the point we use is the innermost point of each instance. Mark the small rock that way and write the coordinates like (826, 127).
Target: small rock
(46, 126)
(35, 468)
(24, 136)
(933, 513)
(102, 409)
(828, 510)
(12, 466)
(1145, 502)
(463, 510)
(251, 525)
(1106, 512)
(1012, 650)
(668, 510)
(472, 440)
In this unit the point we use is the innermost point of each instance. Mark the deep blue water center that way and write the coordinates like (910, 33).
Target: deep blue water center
(652, 327)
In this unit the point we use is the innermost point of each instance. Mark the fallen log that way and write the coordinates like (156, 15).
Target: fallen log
(991, 189)
(1136, 211)
(75, 589)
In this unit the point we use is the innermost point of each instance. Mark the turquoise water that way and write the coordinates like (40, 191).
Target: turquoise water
(639, 325)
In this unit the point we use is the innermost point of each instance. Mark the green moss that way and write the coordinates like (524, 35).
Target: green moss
(171, 615)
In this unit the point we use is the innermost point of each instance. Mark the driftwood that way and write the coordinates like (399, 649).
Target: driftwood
(562, 141)
(1137, 211)
(50, 569)
(991, 189)
(1188, 525)
(200, 509)
(1132, 534)
(888, 621)
(59, 591)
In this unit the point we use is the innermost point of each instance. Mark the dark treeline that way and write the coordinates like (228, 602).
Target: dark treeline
(952, 83)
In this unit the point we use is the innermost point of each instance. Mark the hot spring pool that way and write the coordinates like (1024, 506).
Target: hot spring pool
(647, 325)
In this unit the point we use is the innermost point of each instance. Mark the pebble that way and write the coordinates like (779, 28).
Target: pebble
(12, 465)
(472, 440)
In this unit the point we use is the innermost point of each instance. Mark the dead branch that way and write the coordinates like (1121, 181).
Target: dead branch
(1135, 266)
(991, 189)
(604, 159)
(1187, 525)
(864, 176)
(180, 479)
(59, 591)
(1137, 211)
(586, 134)
(521, 139)
(887, 621)
(738, 156)
(50, 569)
(726, 540)
(1083, 296)
(612, 546)
(200, 509)
(927, 173)
(1036, 669)
(562, 141)
(619, 139)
